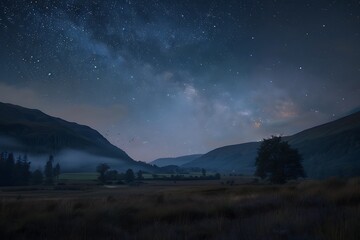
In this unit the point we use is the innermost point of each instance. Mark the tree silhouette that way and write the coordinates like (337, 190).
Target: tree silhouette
(21, 171)
(101, 169)
(14, 173)
(277, 161)
(49, 172)
(25, 172)
(9, 174)
(111, 175)
(6, 168)
(129, 176)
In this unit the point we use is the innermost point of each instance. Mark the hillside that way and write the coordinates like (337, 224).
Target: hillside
(177, 161)
(234, 158)
(331, 149)
(32, 131)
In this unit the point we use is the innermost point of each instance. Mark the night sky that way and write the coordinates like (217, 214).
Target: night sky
(169, 78)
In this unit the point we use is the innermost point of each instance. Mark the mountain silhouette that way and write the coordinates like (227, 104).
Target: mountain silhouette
(331, 149)
(31, 131)
(177, 161)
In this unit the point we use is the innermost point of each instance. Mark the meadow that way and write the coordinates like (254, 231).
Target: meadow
(86, 176)
(328, 210)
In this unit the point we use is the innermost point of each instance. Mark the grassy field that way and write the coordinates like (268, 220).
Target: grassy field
(91, 176)
(166, 175)
(328, 210)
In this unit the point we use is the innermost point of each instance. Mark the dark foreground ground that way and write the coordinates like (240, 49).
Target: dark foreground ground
(307, 210)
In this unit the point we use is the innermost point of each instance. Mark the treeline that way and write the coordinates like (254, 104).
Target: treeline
(16, 172)
(107, 175)
(180, 177)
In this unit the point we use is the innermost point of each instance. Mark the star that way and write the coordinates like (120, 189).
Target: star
(208, 71)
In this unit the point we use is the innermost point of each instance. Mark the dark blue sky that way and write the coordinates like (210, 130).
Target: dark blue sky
(167, 78)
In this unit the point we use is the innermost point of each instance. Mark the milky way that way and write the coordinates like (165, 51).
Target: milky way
(168, 78)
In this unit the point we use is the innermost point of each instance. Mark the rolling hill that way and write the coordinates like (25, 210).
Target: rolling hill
(331, 149)
(31, 131)
(177, 161)
(237, 158)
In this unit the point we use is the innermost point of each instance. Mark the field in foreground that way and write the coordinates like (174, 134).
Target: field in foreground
(308, 210)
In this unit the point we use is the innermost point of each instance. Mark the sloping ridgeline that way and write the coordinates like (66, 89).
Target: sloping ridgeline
(177, 161)
(32, 131)
(331, 149)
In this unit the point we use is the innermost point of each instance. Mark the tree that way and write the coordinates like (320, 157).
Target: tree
(9, 175)
(49, 171)
(14, 173)
(21, 171)
(5, 169)
(101, 169)
(277, 161)
(25, 171)
(129, 176)
(111, 175)
(203, 171)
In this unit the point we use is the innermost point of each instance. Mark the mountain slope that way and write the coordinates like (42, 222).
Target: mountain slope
(234, 158)
(177, 161)
(34, 132)
(331, 149)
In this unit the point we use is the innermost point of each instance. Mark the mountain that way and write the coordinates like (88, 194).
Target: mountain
(237, 158)
(331, 149)
(177, 161)
(31, 131)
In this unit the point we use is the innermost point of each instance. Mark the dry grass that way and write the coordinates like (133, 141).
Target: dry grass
(308, 210)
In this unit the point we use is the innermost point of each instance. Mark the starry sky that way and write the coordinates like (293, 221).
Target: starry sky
(163, 78)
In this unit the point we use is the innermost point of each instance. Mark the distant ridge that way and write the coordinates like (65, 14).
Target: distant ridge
(237, 158)
(331, 149)
(32, 131)
(177, 161)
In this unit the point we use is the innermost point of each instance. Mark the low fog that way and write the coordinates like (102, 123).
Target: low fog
(70, 160)
(73, 160)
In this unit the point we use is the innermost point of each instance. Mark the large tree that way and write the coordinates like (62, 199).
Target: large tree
(277, 161)
(101, 169)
